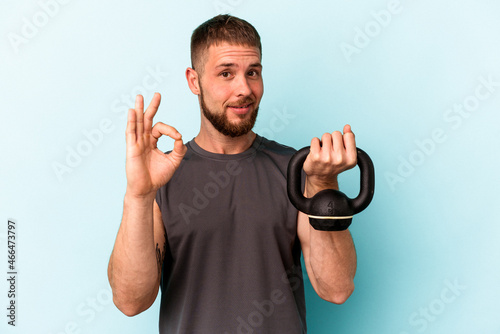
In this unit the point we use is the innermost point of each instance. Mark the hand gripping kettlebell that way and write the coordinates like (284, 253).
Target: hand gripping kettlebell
(330, 209)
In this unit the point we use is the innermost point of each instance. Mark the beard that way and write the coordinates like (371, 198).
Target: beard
(222, 124)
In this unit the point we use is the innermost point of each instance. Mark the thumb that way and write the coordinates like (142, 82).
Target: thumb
(177, 154)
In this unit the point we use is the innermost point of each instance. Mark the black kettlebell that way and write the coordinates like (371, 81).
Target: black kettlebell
(330, 209)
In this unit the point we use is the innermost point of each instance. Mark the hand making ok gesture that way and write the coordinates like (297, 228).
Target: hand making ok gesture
(147, 167)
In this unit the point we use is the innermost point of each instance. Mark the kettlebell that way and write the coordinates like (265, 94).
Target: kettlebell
(330, 209)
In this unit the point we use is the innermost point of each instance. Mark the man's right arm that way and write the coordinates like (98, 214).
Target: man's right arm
(134, 268)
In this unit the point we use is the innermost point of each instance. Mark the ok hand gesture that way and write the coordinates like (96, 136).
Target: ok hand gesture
(147, 167)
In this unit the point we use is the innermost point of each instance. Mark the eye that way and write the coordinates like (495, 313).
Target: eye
(254, 73)
(225, 74)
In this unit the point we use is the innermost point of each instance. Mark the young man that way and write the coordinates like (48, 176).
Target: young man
(211, 221)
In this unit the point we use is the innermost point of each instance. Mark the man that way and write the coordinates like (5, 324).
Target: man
(210, 221)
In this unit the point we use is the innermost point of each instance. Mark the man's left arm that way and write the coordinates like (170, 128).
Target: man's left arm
(330, 257)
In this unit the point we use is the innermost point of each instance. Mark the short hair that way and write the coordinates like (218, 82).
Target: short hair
(220, 29)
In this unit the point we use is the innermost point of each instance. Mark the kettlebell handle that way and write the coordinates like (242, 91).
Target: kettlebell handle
(303, 204)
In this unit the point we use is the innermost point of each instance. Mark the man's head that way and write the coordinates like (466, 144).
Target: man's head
(227, 74)
(218, 30)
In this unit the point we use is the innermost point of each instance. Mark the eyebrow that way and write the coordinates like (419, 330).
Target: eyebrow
(226, 65)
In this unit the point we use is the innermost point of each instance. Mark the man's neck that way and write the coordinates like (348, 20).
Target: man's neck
(215, 142)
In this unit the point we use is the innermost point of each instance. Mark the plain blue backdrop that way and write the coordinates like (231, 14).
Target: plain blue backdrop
(419, 81)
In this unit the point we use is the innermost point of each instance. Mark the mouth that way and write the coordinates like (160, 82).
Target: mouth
(241, 109)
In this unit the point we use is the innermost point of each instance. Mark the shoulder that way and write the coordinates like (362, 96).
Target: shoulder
(275, 153)
(274, 147)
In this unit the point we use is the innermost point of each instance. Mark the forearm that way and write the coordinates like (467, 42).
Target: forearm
(333, 261)
(133, 268)
(332, 256)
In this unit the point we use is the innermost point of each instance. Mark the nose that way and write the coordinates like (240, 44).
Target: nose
(242, 87)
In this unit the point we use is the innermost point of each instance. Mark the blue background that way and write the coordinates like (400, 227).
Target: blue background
(427, 246)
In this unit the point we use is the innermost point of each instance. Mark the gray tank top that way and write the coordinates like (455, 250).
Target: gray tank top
(233, 255)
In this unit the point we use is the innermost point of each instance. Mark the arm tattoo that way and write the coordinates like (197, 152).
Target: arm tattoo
(160, 257)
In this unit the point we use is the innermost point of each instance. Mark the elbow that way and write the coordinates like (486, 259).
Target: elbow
(132, 304)
(128, 308)
(129, 312)
(130, 300)
(339, 296)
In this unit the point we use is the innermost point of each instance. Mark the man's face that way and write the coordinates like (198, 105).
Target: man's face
(231, 88)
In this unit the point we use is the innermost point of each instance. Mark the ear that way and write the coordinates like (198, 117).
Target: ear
(193, 80)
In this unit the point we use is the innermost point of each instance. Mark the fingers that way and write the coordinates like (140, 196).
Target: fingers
(180, 149)
(350, 144)
(326, 144)
(315, 149)
(335, 148)
(151, 112)
(338, 143)
(347, 128)
(331, 150)
(161, 129)
(332, 142)
(139, 114)
(139, 103)
(140, 122)
(130, 134)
